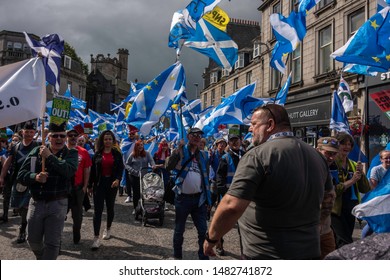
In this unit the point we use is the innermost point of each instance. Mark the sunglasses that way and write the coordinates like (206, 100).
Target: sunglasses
(196, 135)
(269, 110)
(72, 135)
(331, 141)
(58, 136)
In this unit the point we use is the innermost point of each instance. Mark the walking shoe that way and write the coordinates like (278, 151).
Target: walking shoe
(106, 234)
(4, 219)
(21, 237)
(15, 212)
(128, 199)
(96, 243)
(76, 236)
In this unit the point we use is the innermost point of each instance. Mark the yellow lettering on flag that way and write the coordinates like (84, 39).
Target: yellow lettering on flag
(218, 18)
(127, 110)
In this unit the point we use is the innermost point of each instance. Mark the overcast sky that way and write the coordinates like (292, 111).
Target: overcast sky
(104, 26)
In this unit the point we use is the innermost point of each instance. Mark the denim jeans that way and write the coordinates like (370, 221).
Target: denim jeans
(45, 225)
(184, 206)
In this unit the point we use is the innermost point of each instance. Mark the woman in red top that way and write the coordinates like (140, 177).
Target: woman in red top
(106, 173)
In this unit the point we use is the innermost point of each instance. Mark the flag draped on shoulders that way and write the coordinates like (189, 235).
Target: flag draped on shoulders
(22, 91)
(154, 99)
(50, 48)
(370, 45)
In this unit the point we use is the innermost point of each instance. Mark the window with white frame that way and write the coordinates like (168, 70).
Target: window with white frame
(223, 91)
(355, 21)
(26, 47)
(296, 64)
(214, 77)
(10, 45)
(256, 49)
(225, 72)
(248, 77)
(324, 3)
(240, 61)
(205, 100)
(18, 46)
(276, 9)
(212, 97)
(67, 62)
(235, 84)
(326, 48)
(275, 79)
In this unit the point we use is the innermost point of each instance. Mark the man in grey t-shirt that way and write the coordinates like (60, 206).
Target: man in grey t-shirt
(276, 193)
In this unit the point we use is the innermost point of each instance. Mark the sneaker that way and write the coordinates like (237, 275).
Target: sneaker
(128, 199)
(96, 243)
(106, 234)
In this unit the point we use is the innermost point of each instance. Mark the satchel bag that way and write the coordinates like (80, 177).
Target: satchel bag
(20, 188)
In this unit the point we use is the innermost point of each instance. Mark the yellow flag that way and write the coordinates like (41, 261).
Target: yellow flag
(175, 106)
(218, 18)
(128, 107)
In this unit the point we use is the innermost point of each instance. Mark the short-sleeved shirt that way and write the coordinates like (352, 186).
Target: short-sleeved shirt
(84, 162)
(285, 180)
(377, 173)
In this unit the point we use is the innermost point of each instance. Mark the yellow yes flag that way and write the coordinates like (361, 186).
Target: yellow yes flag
(218, 18)
(127, 110)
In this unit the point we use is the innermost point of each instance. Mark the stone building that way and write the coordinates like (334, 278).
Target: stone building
(314, 74)
(107, 81)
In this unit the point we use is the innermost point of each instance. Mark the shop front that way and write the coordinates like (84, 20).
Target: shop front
(309, 114)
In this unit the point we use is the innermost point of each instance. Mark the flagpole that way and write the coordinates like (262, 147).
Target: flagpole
(43, 142)
(280, 81)
(363, 116)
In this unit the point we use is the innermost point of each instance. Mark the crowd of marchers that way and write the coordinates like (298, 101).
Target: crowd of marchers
(288, 199)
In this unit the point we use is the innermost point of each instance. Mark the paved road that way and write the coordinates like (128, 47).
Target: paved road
(130, 240)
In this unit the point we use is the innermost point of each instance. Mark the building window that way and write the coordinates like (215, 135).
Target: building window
(324, 3)
(26, 47)
(249, 77)
(10, 46)
(67, 62)
(355, 21)
(212, 97)
(214, 77)
(225, 72)
(205, 100)
(276, 9)
(240, 61)
(326, 48)
(223, 91)
(296, 64)
(18, 46)
(235, 84)
(275, 79)
(256, 49)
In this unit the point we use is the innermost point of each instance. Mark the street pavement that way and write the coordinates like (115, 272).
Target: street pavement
(130, 240)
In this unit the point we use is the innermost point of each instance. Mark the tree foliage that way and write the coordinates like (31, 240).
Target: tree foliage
(71, 52)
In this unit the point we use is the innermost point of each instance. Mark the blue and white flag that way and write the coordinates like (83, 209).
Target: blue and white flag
(375, 206)
(281, 97)
(120, 124)
(190, 113)
(381, 4)
(154, 99)
(228, 112)
(370, 45)
(214, 43)
(360, 69)
(50, 48)
(306, 5)
(345, 95)
(76, 102)
(22, 91)
(289, 32)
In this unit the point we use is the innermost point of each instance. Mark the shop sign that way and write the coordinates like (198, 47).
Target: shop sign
(312, 112)
(382, 100)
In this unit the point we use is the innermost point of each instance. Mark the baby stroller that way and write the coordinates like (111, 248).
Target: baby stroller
(151, 204)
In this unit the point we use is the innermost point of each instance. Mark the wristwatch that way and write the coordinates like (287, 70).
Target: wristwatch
(210, 240)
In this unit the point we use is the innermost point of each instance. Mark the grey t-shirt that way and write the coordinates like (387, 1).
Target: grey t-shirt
(285, 180)
(377, 173)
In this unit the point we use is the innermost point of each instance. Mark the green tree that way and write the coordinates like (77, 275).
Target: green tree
(71, 52)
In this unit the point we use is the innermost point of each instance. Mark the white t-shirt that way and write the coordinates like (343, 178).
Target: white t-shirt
(193, 181)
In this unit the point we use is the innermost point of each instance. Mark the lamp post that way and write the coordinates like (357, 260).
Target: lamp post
(196, 90)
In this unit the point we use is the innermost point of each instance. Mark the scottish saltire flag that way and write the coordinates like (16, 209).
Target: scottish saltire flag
(339, 122)
(375, 206)
(360, 69)
(345, 95)
(22, 91)
(306, 5)
(214, 43)
(50, 47)
(154, 99)
(381, 4)
(76, 102)
(281, 97)
(370, 45)
(197, 8)
(180, 28)
(288, 33)
(190, 113)
(228, 112)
